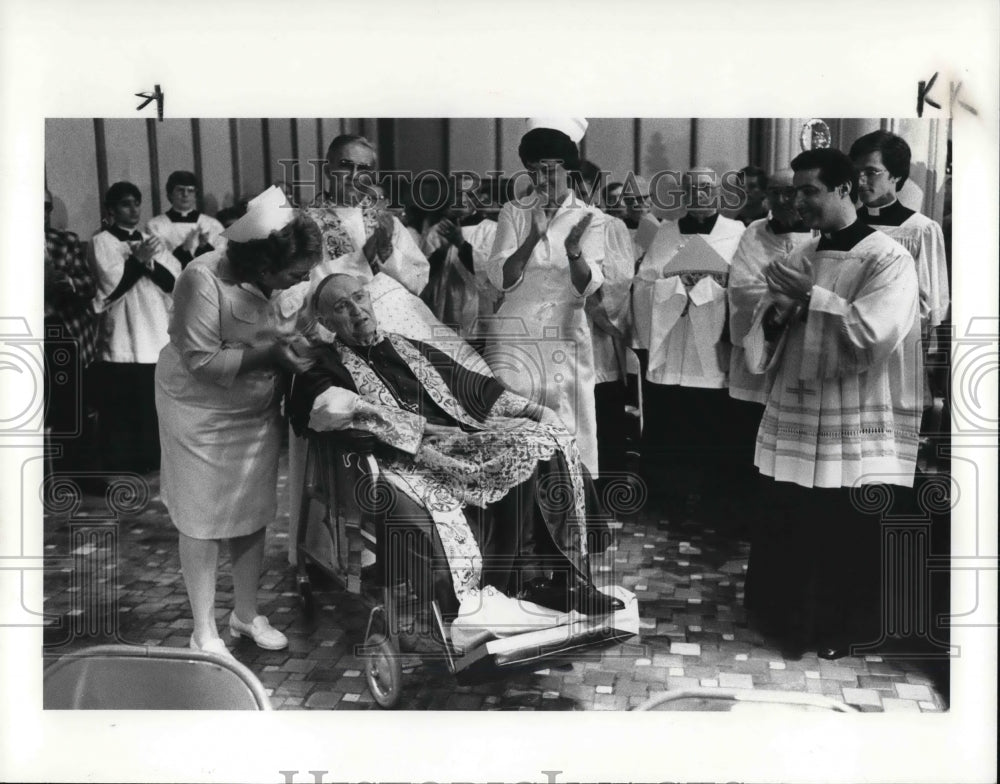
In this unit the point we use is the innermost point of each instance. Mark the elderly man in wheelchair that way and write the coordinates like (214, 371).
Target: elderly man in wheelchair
(498, 476)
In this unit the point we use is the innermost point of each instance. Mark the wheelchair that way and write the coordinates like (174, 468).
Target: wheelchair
(360, 511)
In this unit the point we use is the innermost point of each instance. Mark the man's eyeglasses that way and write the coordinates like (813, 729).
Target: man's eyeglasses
(354, 166)
(870, 173)
(780, 193)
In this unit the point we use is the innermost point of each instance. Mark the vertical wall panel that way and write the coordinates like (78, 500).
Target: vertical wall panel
(723, 145)
(420, 145)
(511, 131)
(472, 145)
(853, 127)
(216, 165)
(610, 144)
(128, 157)
(665, 147)
(174, 151)
(250, 145)
(280, 135)
(71, 175)
(309, 174)
(927, 138)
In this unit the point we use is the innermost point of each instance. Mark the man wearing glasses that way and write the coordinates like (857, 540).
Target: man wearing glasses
(883, 163)
(359, 236)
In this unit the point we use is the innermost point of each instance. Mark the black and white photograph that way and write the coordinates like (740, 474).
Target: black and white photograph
(479, 412)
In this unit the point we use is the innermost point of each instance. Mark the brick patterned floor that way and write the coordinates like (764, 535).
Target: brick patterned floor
(687, 576)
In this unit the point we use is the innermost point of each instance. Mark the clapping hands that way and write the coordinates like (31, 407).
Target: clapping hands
(576, 234)
(794, 284)
(451, 232)
(147, 250)
(378, 247)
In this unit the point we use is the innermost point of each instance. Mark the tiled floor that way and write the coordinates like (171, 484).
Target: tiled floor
(688, 578)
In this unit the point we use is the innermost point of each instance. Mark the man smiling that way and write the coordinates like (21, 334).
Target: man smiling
(839, 328)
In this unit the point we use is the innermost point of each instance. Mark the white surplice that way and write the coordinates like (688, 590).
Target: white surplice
(759, 246)
(538, 342)
(844, 408)
(682, 329)
(923, 238)
(176, 234)
(618, 267)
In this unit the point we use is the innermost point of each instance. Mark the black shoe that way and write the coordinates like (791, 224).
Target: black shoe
(587, 600)
(547, 593)
(833, 652)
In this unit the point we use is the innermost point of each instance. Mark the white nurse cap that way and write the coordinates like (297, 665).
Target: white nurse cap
(270, 211)
(573, 127)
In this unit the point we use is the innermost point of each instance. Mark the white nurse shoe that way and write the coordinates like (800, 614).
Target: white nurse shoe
(259, 630)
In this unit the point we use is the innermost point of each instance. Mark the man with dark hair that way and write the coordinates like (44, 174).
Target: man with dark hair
(754, 182)
(135, 281)
(883, 163)
(184, 230)
(839, 329)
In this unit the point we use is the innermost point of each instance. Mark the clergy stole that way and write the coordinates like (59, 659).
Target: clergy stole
(472, 469)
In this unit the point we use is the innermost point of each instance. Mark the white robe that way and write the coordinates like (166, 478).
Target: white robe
(176, 234)
(684, 346)
(923, 238)
(759, 246)
(845, 405)
(538, 342)
(134, 326)
(618, 267)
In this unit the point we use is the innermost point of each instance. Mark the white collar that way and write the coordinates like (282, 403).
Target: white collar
(874, 211)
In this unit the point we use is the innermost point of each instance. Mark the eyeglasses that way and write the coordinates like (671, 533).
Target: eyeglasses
(870, 173)
(781, 193)
(349, 165)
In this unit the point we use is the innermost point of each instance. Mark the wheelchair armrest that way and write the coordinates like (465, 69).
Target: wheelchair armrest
(350, 440)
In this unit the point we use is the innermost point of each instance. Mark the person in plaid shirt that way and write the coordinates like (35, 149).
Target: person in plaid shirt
(71, 345)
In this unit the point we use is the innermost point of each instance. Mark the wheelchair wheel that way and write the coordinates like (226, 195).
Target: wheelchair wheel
(383, 671)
